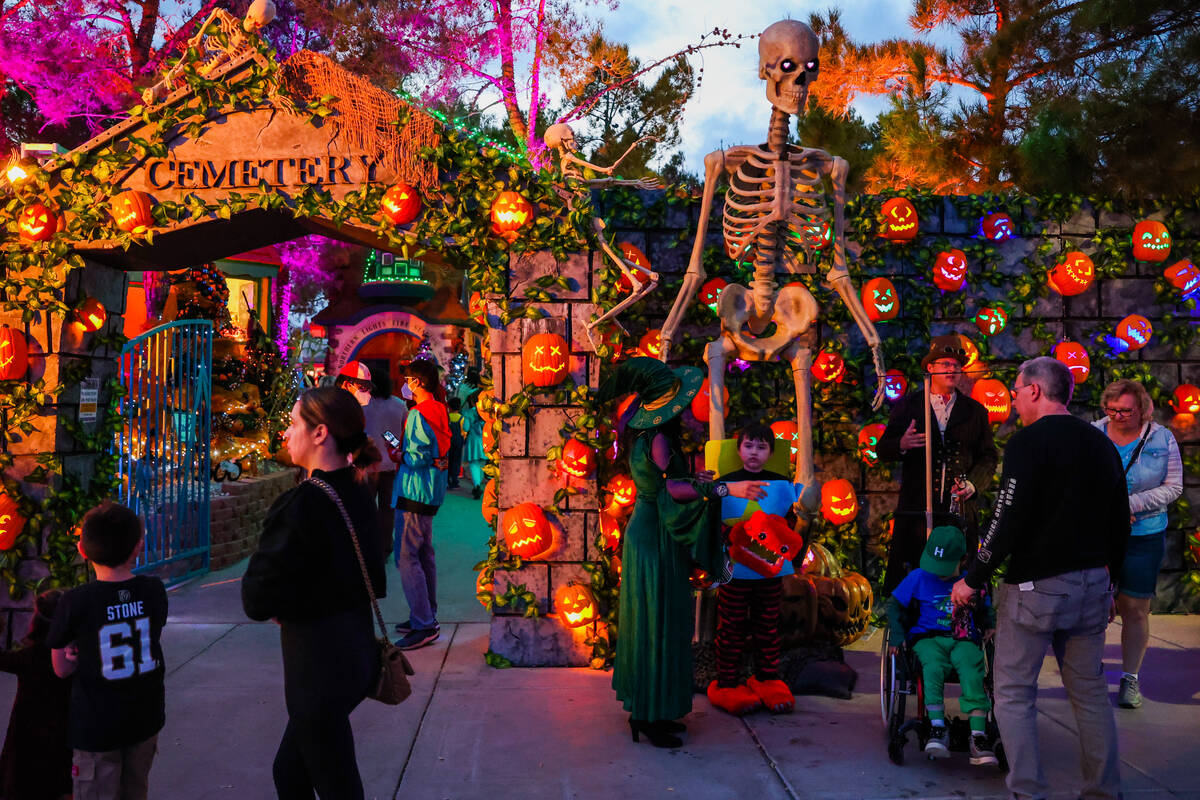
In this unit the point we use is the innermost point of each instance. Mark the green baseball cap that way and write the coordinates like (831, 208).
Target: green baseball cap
(943, 551)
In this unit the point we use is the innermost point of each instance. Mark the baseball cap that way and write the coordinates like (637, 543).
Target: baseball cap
(943, 551)
(355, 371)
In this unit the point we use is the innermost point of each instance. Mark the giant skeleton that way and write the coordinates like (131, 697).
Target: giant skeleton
(775, 201)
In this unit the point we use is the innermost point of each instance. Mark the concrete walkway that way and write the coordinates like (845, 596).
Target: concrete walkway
(470, 731)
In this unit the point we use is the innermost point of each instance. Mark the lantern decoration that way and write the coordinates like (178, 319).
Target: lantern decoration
(899, 220)
(91, 315)
(640, 262)
(1151, 241)
(974, 365)
(1184, 276)
(710, 292)
(991, 320)
(880, 300)
(623, 491)
(950, 270)
(994, 396)
(11, 522)
(577, 460)
(485, 584)
(131, 211)
(997, 227)
(868, 439)
(510, 212)
(610, 530)
(700, 403)
(14, 354)
(839, 503)
(785, 431)
(817, 236)
(401, 204)
(1186, 399)
(37, 223)
(576, 605)
(829, 367)
(1075, 358)
(1133, 333)
(651, 343)
(527, 532)
(544, 360)
(489, 508)
(1073, 275)
(477, 307)
(895, 385)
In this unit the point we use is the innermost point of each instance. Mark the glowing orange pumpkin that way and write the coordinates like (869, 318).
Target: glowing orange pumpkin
(899, 220)
(880, 299)
(489, 436)
(401, 204)
(1184, 276)
(11, 522)
(817, 236)
(544, 360)
(651, 343)
(610, 530)
(974, 365)
(623, 491)
(1186, 399)
(839, 503)
(1135, 331)
(131, 211)
(868, 439)
(510, 212)
(700, 403)
(641, 264)
(1073, 275)
(477, 305)
(37, 223)
(997, 227)
(785, 431)
(991, 320)
(829, 367)
(90, 316)
(1076, 359)
(994, 396)
(489, 509)
(1151, 241)
(14, 354)
(576, 605)
(485, 584)
(895, 385)
(710, 292)
(578, 460)
(527, 532)
(950, 270)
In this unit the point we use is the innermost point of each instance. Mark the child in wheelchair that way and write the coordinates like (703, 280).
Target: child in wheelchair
(921, 615)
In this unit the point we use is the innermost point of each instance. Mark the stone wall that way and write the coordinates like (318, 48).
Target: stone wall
(236, 514)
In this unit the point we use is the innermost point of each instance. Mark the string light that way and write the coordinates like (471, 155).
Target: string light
(463, 128)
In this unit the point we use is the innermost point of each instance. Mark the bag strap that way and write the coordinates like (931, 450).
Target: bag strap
(1138, 450)
(362, 563)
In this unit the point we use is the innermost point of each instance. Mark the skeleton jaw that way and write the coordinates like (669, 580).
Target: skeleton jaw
(787, 99)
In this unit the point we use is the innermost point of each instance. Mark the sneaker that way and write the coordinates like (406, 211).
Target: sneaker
(938, 745)
(980, 752)
(418, 638)
(406, 627)
(1130, 695)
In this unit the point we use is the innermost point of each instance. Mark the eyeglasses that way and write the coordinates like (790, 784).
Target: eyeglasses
(1016, 390)
(1118, 412)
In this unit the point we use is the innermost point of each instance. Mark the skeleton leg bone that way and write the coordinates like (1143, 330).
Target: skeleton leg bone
(799, 355)
(716, 355)
(631, 272)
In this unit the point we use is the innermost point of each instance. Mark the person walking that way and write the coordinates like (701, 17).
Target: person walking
(1154, 478)
(473, 455)
(1062, 521)
(306, 577)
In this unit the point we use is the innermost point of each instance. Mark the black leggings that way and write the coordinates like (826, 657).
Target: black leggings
(317, 753)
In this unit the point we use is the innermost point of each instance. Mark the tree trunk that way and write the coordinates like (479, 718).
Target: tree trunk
(508, 83)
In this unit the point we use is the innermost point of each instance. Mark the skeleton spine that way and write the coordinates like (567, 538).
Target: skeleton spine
(770, 240)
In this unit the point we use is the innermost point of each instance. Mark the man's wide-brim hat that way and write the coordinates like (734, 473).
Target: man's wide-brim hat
(663, 393)
(949, 346)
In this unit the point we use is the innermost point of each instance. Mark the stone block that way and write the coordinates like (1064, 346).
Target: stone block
(952, 223)
(544, 432)
(538, 642)
(502, 339)
(1081, 223)
(512, 438)
(579, 315)
(588, 497)
(668, 256)
(42, 439)
(525, 480)
(1122, 296)
(1113, 219)
(524, 269)
(534, 575)
(570, 530)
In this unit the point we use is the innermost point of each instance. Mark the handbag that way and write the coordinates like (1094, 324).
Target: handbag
(392, 687)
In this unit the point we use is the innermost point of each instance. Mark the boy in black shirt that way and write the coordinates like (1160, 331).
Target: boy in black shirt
(106, 633)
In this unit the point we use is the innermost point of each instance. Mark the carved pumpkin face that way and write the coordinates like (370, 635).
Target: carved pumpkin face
(991, 320)
(510, 212)
(880, 300)
(623, 491)
(974, 365)
(544, 360)
(950, 270)
(994, 396)
(11, 522)
(527, 532)
(1184, 276)
(489, 508)
(1073, 275)
(785, 431)
(868, 439)
(1135, 332)
(641, 265)
(895, 385)
(997, 227)
(817, 236)
(1076, 359)
(899, 220)
(710, 292)
(1186, 399)
(610, 530)
(764, 543)
(578, 460)
(576, 605)
(90, 316)
(829, 367)
(700, 403)
(37, 223)
(1151, 241)
(839, 503)
(14, 354)
(401, 204)
(651, 343)
(131, 211)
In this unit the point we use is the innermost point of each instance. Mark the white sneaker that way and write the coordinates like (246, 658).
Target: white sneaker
(980, 752)
(938, 745)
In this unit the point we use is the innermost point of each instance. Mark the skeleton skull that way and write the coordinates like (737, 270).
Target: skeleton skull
(259, 15)
(559, 135)
(787, 61)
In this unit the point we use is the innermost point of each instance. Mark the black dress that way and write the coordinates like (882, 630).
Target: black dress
(36, 762)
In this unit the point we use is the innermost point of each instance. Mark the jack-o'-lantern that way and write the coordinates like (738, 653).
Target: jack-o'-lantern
(14, 354)
(950, 270)
(868, 440)
(489, 436)
(895, 385)
(899, 220)
(37, 223)
(131, 211)
(700, 403)
(401, 204)
(91, 315)
(477, 305)
(764, 543)
(974, 366)
(1186, 399)
(623, 491)
(1184, 276)
(1073, 275)
(641, 265)
(710, 292)
(510, 212)
(578, 460)
(1134, 332)
(1075, 358)
(489, 508)
(817, 235)
(785, 431)
(994, 396)
(824, 603)
(610, 530)
(991, 320)
(1151, 241)
(651, 343)
(527, 532)
(11, 522)
(829, 367)
(880, 299)
(544, 360)
(839, 503)
(576, 605)
(997, 227)
(485, 585)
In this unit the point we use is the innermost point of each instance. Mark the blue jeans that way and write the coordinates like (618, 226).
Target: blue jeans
(418, 570)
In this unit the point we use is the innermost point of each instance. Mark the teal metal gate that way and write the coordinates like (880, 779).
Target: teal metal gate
(163, 444)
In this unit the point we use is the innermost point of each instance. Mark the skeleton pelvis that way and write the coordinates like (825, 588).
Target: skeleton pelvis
(793, 309)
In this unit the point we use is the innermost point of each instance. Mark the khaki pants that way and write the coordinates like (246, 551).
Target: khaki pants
(115, 774)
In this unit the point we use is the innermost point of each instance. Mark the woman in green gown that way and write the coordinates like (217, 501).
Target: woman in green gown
(671, 531)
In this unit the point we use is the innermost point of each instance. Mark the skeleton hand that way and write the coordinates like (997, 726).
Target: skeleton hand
(647, 183)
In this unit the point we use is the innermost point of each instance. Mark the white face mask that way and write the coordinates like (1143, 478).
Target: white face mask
(405, 392)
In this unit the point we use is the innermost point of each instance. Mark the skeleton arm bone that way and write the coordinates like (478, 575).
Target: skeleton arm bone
(570, 157)
(631, 273)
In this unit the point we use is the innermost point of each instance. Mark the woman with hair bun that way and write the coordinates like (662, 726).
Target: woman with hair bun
(306, 577)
